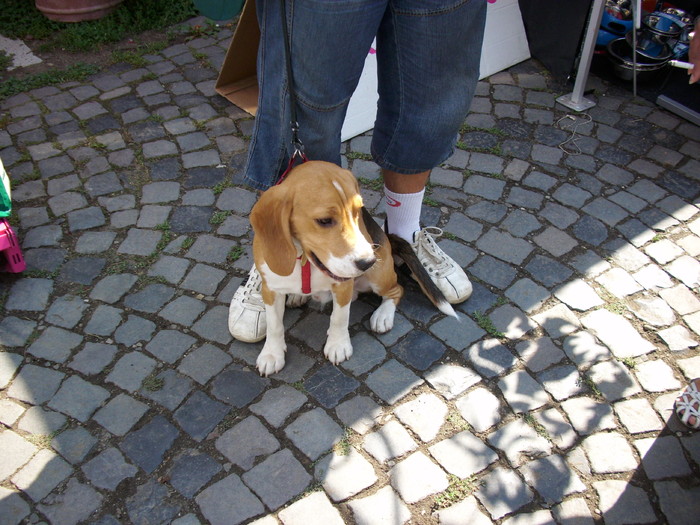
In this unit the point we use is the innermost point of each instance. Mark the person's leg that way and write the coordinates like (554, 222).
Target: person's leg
(687, 405)
(329, 44)
(428, 56)
(403, 196)
(428, 62)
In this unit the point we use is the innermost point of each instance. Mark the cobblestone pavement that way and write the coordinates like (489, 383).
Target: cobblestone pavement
(125, 399)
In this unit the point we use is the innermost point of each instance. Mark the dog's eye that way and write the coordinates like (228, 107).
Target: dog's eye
(326, 222)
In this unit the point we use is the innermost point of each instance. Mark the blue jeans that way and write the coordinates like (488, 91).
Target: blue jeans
(428, 54)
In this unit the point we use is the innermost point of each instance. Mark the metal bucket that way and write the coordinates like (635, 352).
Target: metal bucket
(650, 47)
(620, 56)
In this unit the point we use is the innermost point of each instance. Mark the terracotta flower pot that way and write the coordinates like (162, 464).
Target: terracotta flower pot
(76, 10)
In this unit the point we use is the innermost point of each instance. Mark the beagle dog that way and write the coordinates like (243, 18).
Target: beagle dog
(314, 238)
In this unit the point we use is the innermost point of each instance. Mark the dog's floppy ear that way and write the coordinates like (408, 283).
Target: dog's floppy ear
(271, 218)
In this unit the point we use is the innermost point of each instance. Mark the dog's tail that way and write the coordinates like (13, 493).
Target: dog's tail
(401, 248)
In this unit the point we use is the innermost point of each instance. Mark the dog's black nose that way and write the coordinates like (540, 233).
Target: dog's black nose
(365, 264)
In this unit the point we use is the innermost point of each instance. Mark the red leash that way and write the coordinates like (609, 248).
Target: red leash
(296, 141)
(305, 276)
(299, 154)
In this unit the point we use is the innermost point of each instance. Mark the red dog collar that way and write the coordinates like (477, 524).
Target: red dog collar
(305, 274)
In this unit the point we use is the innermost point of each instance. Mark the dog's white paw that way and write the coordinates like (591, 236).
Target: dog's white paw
(338, 350)
(294, 300)
(270, 361)
(382, 319)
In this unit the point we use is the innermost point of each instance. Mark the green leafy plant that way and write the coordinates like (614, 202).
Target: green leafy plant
(355, 155)
(629, 362)
(235, 254)
(199, 31)
(77, 72)
(5, 61)
(20, 18)
(457, 422)
(342, 447)
(587, 381)
(373, 184)
(130, 57)
(43, 440)
(221, 186)
(299, 385)
(187, 243)
(153, 383)
(539, 428)
(486, 324)
(219, 217)
(457, 490)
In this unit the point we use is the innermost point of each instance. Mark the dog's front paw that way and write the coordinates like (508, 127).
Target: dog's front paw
(382, 319)
(294, 300)
(270, 361)
(338, 350)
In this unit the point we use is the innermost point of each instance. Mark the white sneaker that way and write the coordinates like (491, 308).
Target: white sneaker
(443, 270)
(246, 315)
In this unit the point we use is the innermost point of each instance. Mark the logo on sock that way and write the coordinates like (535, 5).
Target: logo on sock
(390, 201)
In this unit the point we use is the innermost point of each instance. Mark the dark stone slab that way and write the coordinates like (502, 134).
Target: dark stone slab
(191, 219)
(146, 131)
(147, 445)
(550, 136)
(419, 350)
(278, 479)
(174, 389)
(238, 387)
(392, 381)
(200, 414)
(614, 155)
(679, 503)
(679, 184)
(490, 358)
(192, 471)
(150, 505)
(515, 128)
(547, 271)
(480, 140)
(206, 177)
(329, 385)
(590, 230)
(125, 103)
(414, 304)
(481, 300)
(165, 169)
(82, 270)
(150, 299)
(493, 271)
(487, 211)
(102, 123)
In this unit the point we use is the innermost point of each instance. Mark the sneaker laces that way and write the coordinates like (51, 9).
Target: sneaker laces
(250, 294)
(429, 253)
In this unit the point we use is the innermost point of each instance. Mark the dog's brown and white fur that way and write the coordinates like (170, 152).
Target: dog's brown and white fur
(317, 214)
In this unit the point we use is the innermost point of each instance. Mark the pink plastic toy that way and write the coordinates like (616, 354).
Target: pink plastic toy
(11, 259)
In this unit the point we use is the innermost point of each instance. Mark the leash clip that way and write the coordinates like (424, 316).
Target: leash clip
(298, 152)
(297, 144)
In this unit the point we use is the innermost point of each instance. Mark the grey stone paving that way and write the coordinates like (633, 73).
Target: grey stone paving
(125, 400)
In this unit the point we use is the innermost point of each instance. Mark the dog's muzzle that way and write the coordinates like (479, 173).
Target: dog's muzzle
(361, 264)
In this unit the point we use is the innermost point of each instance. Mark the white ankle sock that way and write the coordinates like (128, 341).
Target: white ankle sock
(403, 212)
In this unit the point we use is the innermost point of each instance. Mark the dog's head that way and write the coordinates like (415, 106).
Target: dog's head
(319, 207)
